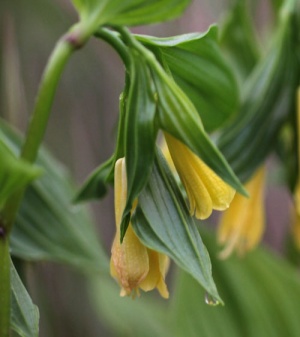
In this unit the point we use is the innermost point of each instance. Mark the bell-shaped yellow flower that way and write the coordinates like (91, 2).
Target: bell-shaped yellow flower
(205, 189)
(133, 264)
(242, 225)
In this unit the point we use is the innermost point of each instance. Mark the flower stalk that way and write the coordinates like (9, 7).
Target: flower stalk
(73, 40)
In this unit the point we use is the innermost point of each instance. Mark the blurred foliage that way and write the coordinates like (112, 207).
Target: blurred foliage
(258, 290)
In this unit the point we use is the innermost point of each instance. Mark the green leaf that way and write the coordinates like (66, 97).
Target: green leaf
(238, 39)
(4, 285)
(261, 292)
(24, 314)
(128, 12)
(48, 226)
(178, 116)
(125, 317)
(95, 186)
(14, 173)
(143, 12)
(137, 133)
(163, 223)
(140, 133)
(198, 67)
(268, 98)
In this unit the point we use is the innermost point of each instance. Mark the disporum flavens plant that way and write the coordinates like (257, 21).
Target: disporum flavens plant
(223, 103)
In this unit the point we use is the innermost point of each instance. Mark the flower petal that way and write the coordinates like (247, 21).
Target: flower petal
(205, 189)
(241, 226)
(129, 261)
(156, 275)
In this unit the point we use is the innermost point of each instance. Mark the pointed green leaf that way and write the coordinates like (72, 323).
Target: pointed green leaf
(14, 173)
(140, 133)
(261, 294)
(198, 67)
(178, 116)
(48, 226)
(269, 96)
(163, 223)
(24, 314)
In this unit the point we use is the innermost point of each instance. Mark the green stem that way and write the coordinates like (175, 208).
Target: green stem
(39, 120)
(146, 53)
(40, 115)
(4, 287)
(35, 133)
(131, 41)
(114, 40)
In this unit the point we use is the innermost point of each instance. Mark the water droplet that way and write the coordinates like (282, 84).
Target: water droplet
(210, 300)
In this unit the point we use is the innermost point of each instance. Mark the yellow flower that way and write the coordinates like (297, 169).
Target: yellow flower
(205, 190)
(295, 216)
(133, 264)
(297, 198)
(296, 210)
(242, 225)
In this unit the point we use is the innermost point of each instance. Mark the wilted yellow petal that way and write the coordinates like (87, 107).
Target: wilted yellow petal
(241, 226)
(130, 261)
(205, 189)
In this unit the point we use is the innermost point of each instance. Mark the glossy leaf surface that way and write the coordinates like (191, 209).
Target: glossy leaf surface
(140, 133)
(163, 223)
(199, 68)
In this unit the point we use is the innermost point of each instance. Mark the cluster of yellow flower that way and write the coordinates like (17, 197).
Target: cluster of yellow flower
(135, 266)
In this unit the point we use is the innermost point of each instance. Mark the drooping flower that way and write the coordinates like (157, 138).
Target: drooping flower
(133, 264)
(296, 209)
(296, 217)
(242, 225)
(205, 189)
